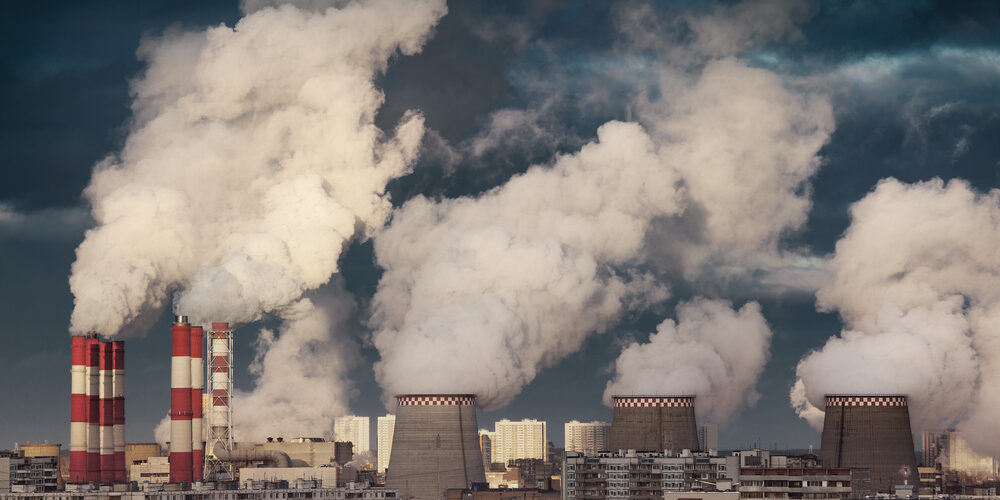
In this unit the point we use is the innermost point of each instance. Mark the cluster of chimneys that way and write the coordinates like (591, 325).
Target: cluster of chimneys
(97, 411)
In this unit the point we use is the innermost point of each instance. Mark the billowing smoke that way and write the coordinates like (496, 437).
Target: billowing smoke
(914, 279)
(481, 293)
(252, 160)
(712, 351)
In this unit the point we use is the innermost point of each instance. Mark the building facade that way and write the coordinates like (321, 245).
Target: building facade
(522, 439)
(780, 482)
(587, 437)
(354, 429)
(486, 438)
(386, 425)
(27, 474)
(631, 474)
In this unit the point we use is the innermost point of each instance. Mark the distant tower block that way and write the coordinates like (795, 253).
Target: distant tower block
(870, 432)
(654, 423)
(435, 446)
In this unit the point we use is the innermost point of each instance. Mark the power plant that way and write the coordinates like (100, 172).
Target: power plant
(435, 445)
(870, 432)
(653, 423)
(219, 441)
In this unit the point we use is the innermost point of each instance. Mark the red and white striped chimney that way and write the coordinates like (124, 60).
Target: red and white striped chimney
(93, 409)
(118, 407)
(107, 415)
(78, 414)
(197, 384)
(180, 402)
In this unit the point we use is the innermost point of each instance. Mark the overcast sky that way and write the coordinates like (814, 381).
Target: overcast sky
(912, 90)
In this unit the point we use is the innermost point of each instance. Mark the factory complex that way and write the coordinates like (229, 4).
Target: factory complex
(432, 448)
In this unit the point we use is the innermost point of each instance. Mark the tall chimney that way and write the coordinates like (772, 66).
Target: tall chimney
(118, 407)
(78, 412)
(654, 423)
(107, 416)
(93, 409)
(870, 432)
(197, 383)
(435, 445)
(180, 402)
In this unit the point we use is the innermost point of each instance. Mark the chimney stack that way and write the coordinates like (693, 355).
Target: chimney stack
(79, 415)
(93, 409)
(118, 408)
(106, 416)
(197, 383)
(180, 402)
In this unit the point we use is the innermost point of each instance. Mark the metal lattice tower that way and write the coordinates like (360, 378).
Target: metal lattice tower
(220, 416)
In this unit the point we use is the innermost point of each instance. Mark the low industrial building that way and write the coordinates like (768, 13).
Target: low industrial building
(153, 469)
(327, 476)
(501, 494)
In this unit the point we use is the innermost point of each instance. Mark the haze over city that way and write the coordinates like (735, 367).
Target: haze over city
(541, 204)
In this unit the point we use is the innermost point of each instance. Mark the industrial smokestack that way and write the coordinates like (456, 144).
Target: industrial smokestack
(197, 382)
(654, 423)
(93, 409)
(118, 407)
(78, 412)
(435, 445)
(180, 402)
(870, 432)
(106, 414)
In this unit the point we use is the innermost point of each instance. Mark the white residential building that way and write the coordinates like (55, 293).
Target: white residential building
(587, 437)
(354, 429)
(386, 425)
(708, 437)
(631, 474)
(524, 439)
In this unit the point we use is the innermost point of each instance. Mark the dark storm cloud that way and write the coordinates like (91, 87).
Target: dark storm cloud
(64, 68)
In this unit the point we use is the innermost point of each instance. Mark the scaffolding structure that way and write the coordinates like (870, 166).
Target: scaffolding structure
(220, 424)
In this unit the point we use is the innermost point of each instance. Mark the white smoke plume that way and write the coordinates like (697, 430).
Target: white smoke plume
(312, 353)
(914, 279)
(252, 160)
(479, 294)
(712, 351)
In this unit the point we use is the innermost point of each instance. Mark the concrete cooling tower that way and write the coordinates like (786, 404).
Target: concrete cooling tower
(435, 446)
(654, 423)
(870, 432)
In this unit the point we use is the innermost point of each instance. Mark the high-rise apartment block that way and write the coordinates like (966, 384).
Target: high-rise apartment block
(523, 439)
(386, 425)
(354, 429)
(708, 437)
(486, 438)
(587, 437)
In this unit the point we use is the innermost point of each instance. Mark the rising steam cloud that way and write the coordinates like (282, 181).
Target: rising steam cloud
(712, 351)
(914, 279)
(252, 160)
(479, 294)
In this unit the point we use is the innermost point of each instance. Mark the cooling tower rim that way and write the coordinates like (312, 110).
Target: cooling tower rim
(435, 394)
(679, 396)
(866, 395)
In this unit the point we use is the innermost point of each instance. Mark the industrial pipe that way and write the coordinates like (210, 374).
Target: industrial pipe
(279, 458)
